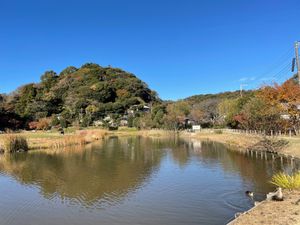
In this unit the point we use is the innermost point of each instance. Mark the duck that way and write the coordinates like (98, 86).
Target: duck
(249, 193)
(278, 195)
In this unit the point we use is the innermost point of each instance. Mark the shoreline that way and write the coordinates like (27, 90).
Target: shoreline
(269, 212)
(236, 141)
(247, 142)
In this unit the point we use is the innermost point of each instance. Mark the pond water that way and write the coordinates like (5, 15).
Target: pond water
(133, 181)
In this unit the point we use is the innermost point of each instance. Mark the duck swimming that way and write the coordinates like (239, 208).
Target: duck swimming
(249, 193)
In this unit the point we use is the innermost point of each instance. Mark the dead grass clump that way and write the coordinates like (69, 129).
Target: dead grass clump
(91, 135)
(13, 143)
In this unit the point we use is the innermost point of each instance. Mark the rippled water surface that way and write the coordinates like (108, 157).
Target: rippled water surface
(133, 181)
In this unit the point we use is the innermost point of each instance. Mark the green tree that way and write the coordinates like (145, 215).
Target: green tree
(176, 114)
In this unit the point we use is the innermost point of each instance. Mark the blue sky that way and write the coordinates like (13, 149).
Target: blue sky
(179, 47)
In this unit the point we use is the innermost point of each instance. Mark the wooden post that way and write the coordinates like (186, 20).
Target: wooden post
(290, 133)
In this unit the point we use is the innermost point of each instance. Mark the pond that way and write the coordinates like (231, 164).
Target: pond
(133, 181)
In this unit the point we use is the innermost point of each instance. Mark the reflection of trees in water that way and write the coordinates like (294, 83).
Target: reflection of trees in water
(250, 167)
(113, 169)
(117, 166)
(180, 151)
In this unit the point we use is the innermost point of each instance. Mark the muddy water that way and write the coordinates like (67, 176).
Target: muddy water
(133, 181)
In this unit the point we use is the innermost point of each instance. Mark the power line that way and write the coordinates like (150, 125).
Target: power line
(283, 70)
(284, 59)
(281, 60)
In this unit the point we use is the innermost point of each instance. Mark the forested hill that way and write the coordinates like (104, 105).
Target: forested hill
(205, 108)
(109, 97)
(82, 94)
(195, 99)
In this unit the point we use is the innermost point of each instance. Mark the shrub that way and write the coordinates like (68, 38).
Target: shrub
(14, 143)
(286, 181)
(54, 121)
(42, 124)
(33, 125)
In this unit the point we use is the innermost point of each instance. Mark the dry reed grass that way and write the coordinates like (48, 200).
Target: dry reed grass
(10, 143)
(79, 137)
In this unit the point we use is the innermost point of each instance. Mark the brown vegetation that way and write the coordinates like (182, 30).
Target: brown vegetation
(13, 143)
(43, 140)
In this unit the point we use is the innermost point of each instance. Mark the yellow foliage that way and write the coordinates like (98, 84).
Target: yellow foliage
(286, 181)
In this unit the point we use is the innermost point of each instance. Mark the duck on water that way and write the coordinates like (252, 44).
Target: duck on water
(249, 194)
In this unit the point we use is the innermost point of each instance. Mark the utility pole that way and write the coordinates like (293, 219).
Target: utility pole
(241, 89)
(297, 43)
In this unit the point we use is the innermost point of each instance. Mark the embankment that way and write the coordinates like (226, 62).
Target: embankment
(286, 212)
(243, 142)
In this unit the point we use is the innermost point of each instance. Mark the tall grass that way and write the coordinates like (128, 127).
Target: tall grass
(286, 181)
(67, 140)
(14, 143)
(91, 135)
(79, 138)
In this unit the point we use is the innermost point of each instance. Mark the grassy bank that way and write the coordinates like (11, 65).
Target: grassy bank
(53, 139)
(243, 142)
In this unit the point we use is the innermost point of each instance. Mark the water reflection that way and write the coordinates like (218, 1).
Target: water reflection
(112, 168)
(133, 181)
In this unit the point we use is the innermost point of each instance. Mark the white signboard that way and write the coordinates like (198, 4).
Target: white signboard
(196, 127)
